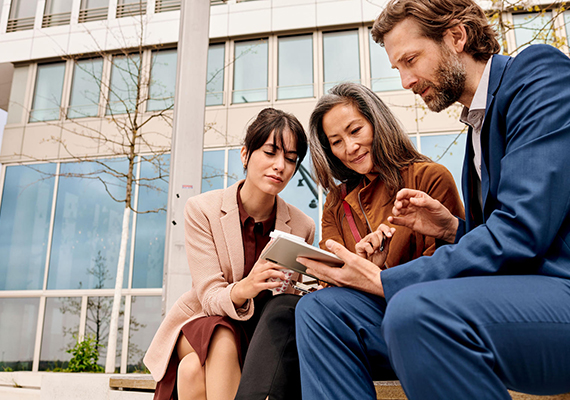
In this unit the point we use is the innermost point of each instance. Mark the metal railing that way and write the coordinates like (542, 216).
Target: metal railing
(93, 14)
(20, 24)
(131, 9)
(56, 19)
(166, 5)
(215, 2)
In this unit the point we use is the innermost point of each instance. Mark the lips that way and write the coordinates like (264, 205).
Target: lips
(359, 159)
(275, 178)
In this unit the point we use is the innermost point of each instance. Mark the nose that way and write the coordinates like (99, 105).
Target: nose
(352, 145)
(279, 162)
(408, 79)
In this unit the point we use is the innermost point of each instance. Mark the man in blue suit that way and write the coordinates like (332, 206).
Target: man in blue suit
(490, 310)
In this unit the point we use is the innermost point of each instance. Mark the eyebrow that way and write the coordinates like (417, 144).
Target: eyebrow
(275, 146)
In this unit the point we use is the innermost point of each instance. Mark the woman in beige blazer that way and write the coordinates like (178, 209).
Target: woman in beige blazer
(199, 346)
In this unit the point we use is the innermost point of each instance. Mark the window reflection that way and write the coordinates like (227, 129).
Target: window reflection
(215, 75)
(250, 71)
(213, 170)
(447, 150)
(151, 227)
(60, 330)
(162, 80)
(124, 84)
(235, 167)
(383, 76)
(47, 92)
(25, 214)
(145, 319)
(18, 333)
(85, 88)
(295, 67)
(87, 228)
(98, 323)
(341, 58)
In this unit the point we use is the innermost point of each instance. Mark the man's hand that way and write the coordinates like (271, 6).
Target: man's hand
(374, 246)
(421, 213)
(357, 272)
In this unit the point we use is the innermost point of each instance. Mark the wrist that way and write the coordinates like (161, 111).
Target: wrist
(451, 231)
(237, 296)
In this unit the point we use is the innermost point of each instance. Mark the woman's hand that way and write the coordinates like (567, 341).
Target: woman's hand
(421, 213)
(256, 282)
(374, 246)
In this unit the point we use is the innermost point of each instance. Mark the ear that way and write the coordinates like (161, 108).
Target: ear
(243, 155)
(456, 37)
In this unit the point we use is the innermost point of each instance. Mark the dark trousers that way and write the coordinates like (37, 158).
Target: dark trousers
(463, 338)
(271, 365)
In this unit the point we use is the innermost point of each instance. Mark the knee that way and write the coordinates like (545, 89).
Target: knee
(190, 370)
(281, 308)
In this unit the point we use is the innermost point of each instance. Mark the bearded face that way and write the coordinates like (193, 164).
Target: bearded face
(450, 74)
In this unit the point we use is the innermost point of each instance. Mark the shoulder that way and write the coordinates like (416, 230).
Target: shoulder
(420, 172)
(206, 202)
(297, 216)
(536, 62)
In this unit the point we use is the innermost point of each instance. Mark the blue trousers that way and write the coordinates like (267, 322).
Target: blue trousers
(464, 338)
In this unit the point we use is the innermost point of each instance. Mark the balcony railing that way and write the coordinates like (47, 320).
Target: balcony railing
(20, 24)
(215, 2)
(166, 5)
(93, 14)
(56, 19)
(131, 9)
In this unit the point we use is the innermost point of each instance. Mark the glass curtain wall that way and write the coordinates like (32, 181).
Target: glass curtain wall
(162, 80)
(250, 71)
(341, 58)
(85, 88)
(383, 77)
(295, 67)
(124, 87)
(48, 92)
(531, 28)
(215, 74)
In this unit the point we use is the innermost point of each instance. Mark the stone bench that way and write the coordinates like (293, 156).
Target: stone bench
(385, 390)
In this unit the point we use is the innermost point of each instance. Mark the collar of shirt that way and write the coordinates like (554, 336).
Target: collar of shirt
(474, 115)
(268, 224)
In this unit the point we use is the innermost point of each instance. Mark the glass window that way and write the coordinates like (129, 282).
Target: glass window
(24, 224)
(151, 227)
(341, 58)
(302, 192)
(567, 23)
(383, 77)
(93, 10)
(124, 84)
(145, 319)
(18, 333)
(533, 28)
(235, 167)
(47, 93)
(61, 327)
(87, 227)
(98, 323)
(23, 9)
(85, 88)
(56, 13)
(162, 80)
(250, 71)
(215, 80)
(213, 170)
(295, 78)
(126, 8)
(448, 150)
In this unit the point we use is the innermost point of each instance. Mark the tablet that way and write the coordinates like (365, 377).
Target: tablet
(285, 249)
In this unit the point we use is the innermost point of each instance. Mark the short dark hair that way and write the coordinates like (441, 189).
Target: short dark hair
(392, 148)
(435, 17)
(272, 120)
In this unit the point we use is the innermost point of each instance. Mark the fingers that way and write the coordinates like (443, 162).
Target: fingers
(374, 242)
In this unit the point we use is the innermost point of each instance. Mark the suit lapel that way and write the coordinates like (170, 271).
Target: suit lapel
(231, 228)
(282, 216)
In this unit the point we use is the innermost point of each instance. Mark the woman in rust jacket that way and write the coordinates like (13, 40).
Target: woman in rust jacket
(198, 350)
(362, 157)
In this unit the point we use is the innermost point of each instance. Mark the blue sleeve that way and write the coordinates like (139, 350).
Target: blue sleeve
(527, 224)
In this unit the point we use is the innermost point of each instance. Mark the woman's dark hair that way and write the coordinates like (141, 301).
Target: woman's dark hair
(435, 17)
(277, 121)
(391, 151)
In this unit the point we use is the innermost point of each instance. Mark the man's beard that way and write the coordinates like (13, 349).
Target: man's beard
(451, 76)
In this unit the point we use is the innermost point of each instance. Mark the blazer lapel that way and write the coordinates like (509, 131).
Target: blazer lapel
(282, 216)
(231, 228)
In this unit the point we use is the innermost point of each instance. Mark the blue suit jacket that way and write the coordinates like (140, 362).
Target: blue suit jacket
(524, 226)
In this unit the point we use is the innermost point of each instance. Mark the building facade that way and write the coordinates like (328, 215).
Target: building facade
(85, 77)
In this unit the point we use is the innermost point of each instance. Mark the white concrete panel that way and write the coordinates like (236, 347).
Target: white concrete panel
(402, 105)
(41, 141)
(129, 395)
(371, 10)
(80, 138)
(12, 141)
(249, 21)
(300, 109)
(219, 25)
(114, 141)
(67, 386)
(14, 393)
(156, 134)
(163, 29)
(49, 45)
(239, 118)
(445, 121)
(215, 129)
(338, 12)
(287, 17)
(88, 38)
(15, 50)
(123, 33)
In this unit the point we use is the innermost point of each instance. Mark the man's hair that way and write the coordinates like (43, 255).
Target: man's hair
(435, 17)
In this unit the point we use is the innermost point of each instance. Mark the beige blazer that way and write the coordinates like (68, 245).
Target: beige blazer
(214, 249)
